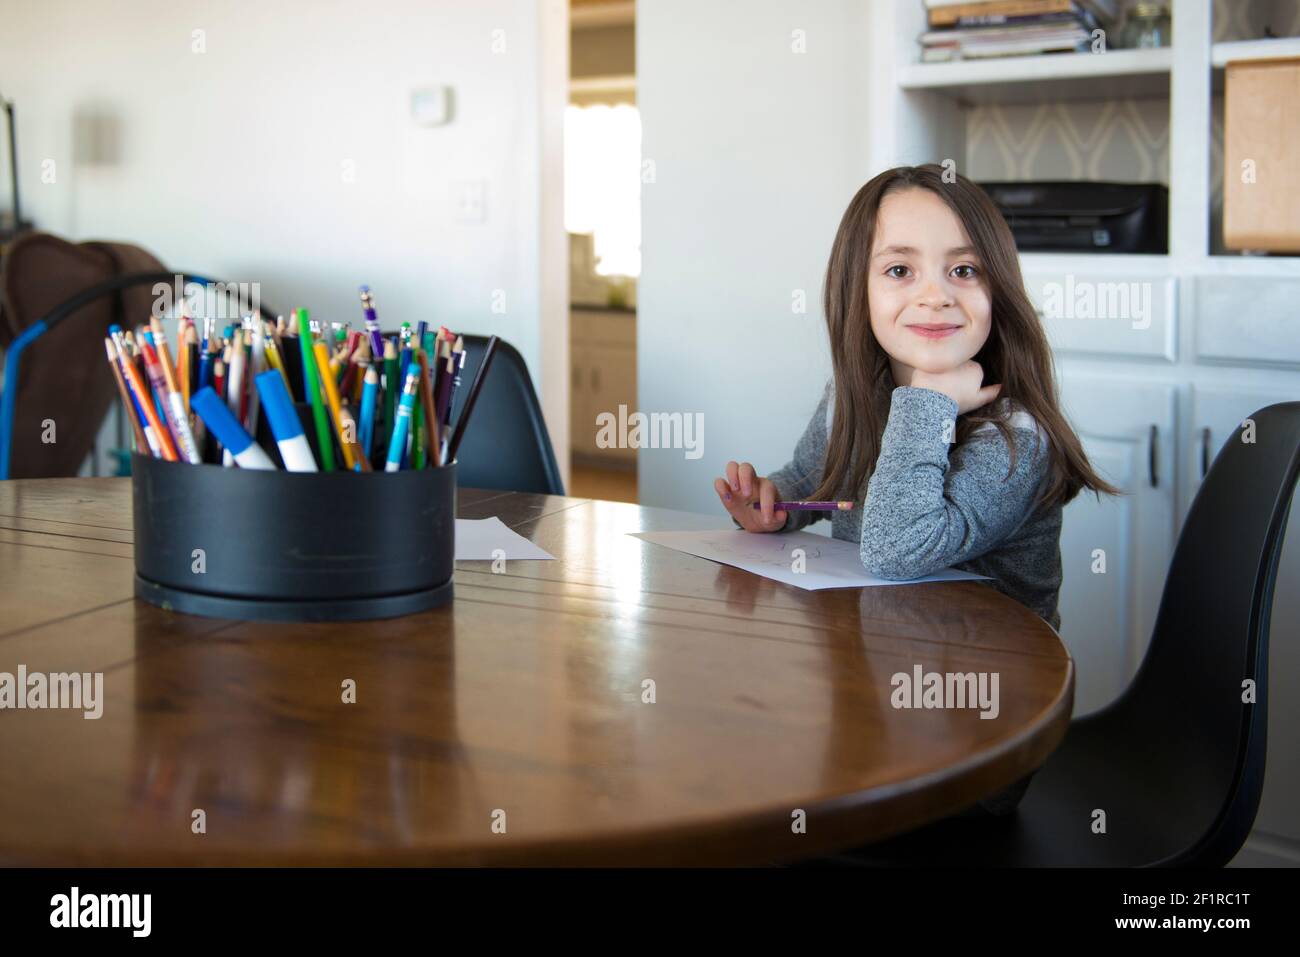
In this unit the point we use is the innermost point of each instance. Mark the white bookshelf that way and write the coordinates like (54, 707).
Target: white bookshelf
(921, 114)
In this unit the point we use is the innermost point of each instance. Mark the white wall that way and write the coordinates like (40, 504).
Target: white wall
(232, 161)
(757, 151)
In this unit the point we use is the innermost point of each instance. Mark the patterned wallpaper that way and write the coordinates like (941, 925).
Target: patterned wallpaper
(1126, 140)
(1122, 140)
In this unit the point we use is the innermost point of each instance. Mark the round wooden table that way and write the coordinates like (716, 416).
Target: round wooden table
(514, 726)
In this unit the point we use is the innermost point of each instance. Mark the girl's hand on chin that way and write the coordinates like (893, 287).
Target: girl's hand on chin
(964, 385)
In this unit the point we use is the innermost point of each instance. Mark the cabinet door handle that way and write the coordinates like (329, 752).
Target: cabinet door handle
(1151, 456)
(1205, 451)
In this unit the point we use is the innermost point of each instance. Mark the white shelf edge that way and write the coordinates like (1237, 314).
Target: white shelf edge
(1222, 53)
(1049, 67)
(1264, 267)
(1130, 260)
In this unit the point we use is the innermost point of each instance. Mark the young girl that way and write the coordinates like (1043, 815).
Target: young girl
(941, 423)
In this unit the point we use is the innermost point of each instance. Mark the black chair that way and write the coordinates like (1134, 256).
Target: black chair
(506, 445)
(1177, 762)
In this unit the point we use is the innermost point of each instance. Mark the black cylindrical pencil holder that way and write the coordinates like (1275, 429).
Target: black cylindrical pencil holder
(293, 546)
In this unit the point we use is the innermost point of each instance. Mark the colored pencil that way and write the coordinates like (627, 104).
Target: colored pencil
(136, 381)
(403, 423)
(392, 389)
(368, 393)
(312, 385)
(142, 443)
(430, 418)
(372, 323)
(812, 506)
(164, 383)
(331, 390)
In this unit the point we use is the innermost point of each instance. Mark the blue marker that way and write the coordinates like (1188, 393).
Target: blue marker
(400, 427)
(222, 423)
(285, 424)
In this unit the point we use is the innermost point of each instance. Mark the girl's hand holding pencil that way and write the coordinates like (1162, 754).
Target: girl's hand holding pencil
(742, 490)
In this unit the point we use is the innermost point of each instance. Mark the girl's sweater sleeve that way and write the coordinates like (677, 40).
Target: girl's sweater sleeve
(926, 510)
(803, 473)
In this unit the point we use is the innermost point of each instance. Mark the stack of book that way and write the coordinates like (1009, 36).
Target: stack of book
(965, 30)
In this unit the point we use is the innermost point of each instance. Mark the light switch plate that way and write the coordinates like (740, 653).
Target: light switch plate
(431, 106)
(470, 198)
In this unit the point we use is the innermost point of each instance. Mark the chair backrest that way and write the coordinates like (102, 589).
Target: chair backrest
(1187, 701)
(65, 379)
(506, 445)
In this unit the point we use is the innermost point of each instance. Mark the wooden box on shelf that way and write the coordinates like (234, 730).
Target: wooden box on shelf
(1261, 140)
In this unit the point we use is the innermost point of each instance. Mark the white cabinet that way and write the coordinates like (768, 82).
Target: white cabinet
(1105, 312)
(1217, 414)
(1115, 551)
(1246, 320)
(603, 370)
(582, 405)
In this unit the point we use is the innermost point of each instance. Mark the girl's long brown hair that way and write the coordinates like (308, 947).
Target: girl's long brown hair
(1016, 353)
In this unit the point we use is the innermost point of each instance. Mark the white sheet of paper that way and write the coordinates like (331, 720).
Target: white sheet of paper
(478, 538)
(829, 562)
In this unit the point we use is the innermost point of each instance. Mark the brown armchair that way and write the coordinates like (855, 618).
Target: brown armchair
(65, 377)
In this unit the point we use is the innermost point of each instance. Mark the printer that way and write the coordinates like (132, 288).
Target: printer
(1084, 216)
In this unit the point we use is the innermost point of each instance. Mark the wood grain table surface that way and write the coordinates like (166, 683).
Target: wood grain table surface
(510, 726)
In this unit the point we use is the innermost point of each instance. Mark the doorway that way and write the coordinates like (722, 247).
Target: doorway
(602, 217)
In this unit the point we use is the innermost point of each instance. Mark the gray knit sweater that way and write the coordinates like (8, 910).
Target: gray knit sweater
(930, 505)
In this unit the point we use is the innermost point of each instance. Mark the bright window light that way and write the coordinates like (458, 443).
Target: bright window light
(602, 183)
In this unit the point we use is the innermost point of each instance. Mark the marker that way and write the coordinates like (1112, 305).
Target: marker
(404, 411)
(223, 424)
(285, 425)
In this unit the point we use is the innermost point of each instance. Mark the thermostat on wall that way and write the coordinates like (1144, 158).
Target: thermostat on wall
(431, 106)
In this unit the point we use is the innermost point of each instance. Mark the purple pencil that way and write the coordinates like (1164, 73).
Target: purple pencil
(812, 506)
(372, 324)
